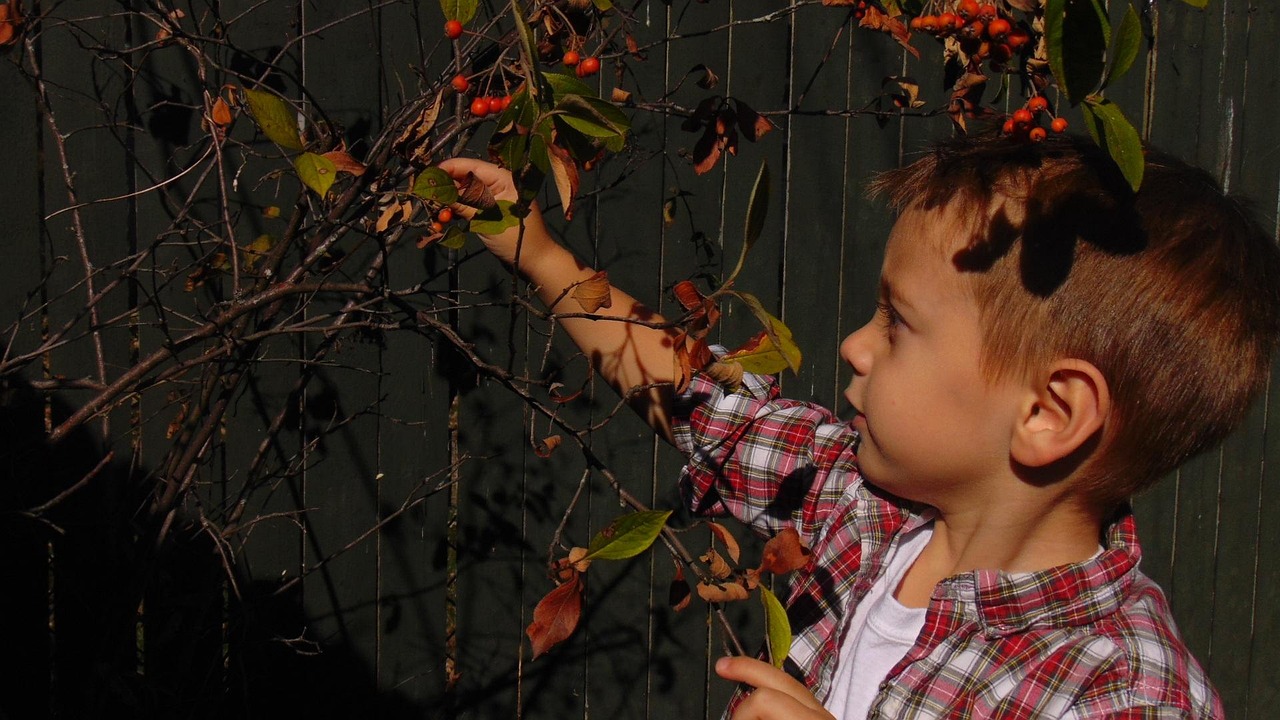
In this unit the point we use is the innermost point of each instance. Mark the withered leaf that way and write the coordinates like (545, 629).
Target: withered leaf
(716, 565)
(9, 20)
(556, 616)
(679, 595)
(708, 79)
(751, 123)
(220, 114)
(910, 95)
(620, 96)
(728, 374)
(727, 539)
(578, 558)
(707, 151)
(688, 294)
(393, 213)
(343, 161)
(476, 194)
(723, 592)
(784, 552)
(633, 47)
(421, 125)
(751, 577)
(594, 292)
(701, 114)
(874, 19)
(556, 391)
(565, 173)
(547, 445)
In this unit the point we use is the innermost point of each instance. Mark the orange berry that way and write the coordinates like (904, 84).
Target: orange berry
(1059, 124)
(972, 31)
(437, 227)
(571, 58)
(589, 66)
(1017, 38)
(917, 23)
(948, 22)
(1037, 134)
(967, 9)
(453, 29)
(460, 83)
(1001, 52)
(506, 101)
(987, 12)
(1022, 116)
(1037, 104)
(444, 215)
(1008, 127)
(997, 29)
(480, 107)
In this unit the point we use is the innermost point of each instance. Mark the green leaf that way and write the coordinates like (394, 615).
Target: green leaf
(494, 220)
(777, 628)
(1113, 131)
(534, 80)
(564, 85)
(1128, 43)
(1077, 34)
(778, 333)
(278, 121)
(461, 10)
(757, 208)
(316, 172)
(592, 116)
(435, 185)
(603, 5)
(627, 536)
(454, 238)
(512, 150)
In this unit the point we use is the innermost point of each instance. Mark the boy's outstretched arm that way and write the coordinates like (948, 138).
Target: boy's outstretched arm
(626, 354)
(777, 695)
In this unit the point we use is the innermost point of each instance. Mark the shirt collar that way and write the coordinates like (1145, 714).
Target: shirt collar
(1064, 596)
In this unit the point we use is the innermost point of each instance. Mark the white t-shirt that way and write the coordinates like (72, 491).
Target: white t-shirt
(880, 634)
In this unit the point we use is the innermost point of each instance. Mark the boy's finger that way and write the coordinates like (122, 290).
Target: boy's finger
(760, 674)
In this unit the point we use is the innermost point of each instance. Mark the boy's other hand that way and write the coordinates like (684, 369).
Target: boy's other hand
(777, 695)
(503, 187)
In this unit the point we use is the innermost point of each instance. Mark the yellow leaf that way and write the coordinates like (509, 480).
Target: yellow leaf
(277, 120)
(316, 172)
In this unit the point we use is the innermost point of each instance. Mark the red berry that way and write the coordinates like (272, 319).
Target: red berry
(967, 9)
(987, 12)
(929, 23)
(453, 29)
(998, 28)
(444, 215)
(1059, 124)
(460, 83)
(480, 107)
(506, 101)
(972, 31)
(437, 227)
(1008, 127)
(1037, 104)
(1001, 52)
(571, 58)
(495, 105)
(948, 22)
(1017, 38)
(917, 23)
(1022, 116)
(1037, 134)
(589, 66)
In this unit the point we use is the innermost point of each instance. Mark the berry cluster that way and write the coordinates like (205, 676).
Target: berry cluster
(481, 105)
(1024, 122)
(443, 217)
(984, 33)
(582, 66)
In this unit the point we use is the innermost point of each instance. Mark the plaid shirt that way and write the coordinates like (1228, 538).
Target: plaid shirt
(1089, 640)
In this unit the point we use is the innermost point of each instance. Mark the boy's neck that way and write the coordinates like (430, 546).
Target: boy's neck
(1011, 536)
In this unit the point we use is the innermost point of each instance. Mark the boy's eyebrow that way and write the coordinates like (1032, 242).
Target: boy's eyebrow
(889, 293)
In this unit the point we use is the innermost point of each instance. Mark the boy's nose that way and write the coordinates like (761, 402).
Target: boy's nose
(857, 349)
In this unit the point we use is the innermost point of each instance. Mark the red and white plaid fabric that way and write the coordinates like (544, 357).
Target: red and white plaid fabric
(1089, 640)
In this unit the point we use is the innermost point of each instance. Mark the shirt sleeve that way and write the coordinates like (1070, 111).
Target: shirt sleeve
(768, 461)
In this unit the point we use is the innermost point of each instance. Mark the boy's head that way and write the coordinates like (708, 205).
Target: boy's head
(1172, 293)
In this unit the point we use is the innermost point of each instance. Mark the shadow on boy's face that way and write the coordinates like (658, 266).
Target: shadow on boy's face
(1049, 233)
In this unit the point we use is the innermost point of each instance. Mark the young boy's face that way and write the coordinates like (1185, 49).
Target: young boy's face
(933, 428)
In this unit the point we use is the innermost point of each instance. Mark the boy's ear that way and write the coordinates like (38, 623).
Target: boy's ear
(1063, 411)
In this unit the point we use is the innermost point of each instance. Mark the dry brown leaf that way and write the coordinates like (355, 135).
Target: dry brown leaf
(565, 172)
(724, 592)
(727, 539)
(10, 18)
(220, 114)
(751, 577)
(716, 565)
(556, 616)
(728, 374)
(343, 162)
(633, 47)
(753, 124)
(576, 558)
(877, 20)
(547, 445)
(393, 213)
(476, 194)
(421, 125)
(784, 552)
(594, 292)
(620, 96)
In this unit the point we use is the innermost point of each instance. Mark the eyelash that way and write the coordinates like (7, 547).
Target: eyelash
(889, 317)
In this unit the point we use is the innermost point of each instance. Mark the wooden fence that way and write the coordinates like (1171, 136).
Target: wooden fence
(354, 597)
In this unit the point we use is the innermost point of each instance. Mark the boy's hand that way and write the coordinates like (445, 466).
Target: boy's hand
(777, 695)
(501, 185)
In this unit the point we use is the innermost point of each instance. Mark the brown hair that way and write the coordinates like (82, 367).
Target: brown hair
(1172, 292)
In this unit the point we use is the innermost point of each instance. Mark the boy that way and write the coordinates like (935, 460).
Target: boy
(1047, 343)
